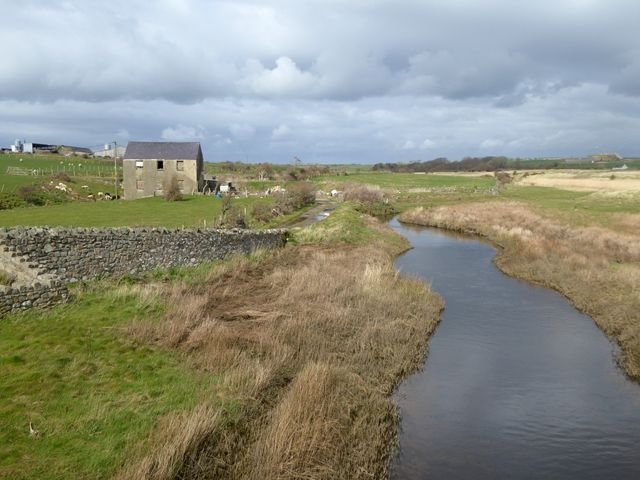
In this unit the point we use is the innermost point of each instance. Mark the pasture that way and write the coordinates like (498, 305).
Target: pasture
(613, 181)
(39, 168)
(192, 212)
(410, 180)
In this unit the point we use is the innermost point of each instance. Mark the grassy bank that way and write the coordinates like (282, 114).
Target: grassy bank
(596, 268)
(90, 392)
(277, 365)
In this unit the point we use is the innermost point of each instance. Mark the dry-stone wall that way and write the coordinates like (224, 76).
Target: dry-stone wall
(39, 295)
(64, 255)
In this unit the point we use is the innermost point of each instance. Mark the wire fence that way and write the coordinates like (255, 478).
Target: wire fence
(71, 170)
(100, 171)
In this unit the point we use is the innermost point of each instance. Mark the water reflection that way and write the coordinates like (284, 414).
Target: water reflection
(517, 384)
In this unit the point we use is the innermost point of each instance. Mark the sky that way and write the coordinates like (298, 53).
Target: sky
(328, 81)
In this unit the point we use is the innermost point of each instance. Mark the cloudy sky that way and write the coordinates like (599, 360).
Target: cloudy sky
(325, 80)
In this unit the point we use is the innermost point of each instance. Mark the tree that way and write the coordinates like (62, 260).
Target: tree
(265, 171)
(172, 191)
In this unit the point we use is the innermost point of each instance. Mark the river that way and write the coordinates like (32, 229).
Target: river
(517, 384)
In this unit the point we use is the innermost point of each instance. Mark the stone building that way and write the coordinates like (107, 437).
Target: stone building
(148, 166)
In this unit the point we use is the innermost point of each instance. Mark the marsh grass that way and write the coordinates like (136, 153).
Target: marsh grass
(311, 341)
(596, 268)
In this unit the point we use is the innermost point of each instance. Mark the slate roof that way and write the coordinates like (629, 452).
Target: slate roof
(162, 151)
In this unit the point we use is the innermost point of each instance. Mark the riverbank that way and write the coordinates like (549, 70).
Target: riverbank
(595, 267)
(276, 365)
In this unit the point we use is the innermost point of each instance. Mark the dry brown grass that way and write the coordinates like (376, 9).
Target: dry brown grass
(597, 269)
(311, 341)
(178, 439)
(617, 182)
(365, 193)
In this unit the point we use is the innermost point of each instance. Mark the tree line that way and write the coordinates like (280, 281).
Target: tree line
(467, 164)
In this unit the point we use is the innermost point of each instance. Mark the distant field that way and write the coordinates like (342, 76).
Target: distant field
(560, 164)
(584, 205)
(411, 180)
(192, 211)
(584, 180)
(46, 165)
(581, 195)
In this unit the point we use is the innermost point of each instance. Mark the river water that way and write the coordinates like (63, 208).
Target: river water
(517, 383)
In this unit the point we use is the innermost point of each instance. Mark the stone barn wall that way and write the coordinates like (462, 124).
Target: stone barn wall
(63, 255)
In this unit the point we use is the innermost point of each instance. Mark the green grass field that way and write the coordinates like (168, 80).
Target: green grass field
(410, 180)
(575, 208)
(92, 394)
(548, 197)
(192, 211)
(47, 165)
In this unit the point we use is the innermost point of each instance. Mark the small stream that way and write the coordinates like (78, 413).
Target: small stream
(517, 384)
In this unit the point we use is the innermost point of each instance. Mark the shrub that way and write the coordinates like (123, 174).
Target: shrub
(364, 194)
(233, 217)
(371, 200)
(9, 201)
(172, 191)
(39, 196)
(227, 203)
(63, 177)
(503, 178)
(378, 209)
(236, 218)
(296, 196)
(263, 212)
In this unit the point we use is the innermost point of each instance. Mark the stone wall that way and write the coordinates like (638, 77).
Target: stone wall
(39, 295)
(72, 254)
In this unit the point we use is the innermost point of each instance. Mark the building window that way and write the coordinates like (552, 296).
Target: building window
(160, 165)
(140, 184)
(181, 185)
(139, 163)
(180, 165)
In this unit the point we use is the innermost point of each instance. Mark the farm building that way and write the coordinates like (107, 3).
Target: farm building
(148, 166)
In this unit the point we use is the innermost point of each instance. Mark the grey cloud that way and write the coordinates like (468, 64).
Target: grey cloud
(328, 80)
(186, 51)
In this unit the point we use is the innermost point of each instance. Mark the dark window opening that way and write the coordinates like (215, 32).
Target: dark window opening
(160, 165)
